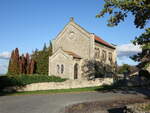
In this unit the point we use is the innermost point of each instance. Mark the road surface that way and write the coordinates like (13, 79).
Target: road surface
(53, 103)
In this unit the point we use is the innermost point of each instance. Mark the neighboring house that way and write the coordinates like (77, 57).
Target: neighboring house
(73, 46)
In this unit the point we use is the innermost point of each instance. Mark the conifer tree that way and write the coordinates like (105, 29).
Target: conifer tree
(32, 66)
(23, 64)
(20, 64)
(41, 59)
(27, 63)
(10, 66)
(45, 47)
(144, 56)
(14, 63)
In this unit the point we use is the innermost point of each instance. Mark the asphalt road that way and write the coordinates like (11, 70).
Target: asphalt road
(53, 103)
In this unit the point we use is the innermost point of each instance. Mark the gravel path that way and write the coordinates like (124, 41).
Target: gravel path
(53, 103)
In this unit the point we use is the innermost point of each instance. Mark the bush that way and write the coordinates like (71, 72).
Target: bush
(144, 73)
(119, 83)
(22, 80)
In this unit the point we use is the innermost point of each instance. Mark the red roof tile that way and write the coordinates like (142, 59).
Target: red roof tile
(100, 40)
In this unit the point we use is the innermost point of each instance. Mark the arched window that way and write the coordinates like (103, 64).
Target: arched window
(62, 68)
(76, 66)
(104, 56)
(97, 53)
(110, 57)
(58, 68)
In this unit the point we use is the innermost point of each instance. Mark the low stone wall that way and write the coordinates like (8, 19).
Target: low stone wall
(66, 85)
(137, 108)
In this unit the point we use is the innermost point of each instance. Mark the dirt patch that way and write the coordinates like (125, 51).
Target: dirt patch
(113, 106)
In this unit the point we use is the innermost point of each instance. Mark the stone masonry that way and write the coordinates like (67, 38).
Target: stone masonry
(74, 45)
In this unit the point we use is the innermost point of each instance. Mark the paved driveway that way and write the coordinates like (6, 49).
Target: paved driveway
(52, 103)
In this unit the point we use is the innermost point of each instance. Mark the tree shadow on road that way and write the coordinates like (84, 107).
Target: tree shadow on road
(116, 110)
(126, 90)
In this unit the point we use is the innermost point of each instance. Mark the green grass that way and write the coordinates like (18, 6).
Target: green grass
(22, 80)
(73, 90)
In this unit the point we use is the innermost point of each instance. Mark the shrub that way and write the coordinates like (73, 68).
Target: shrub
(22, 80)
(144, 73)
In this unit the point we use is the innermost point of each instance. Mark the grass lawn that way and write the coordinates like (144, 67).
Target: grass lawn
(87, 89)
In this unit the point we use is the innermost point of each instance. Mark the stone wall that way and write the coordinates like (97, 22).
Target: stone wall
(137, 108)
(66, 85)
(59, 60)
(108, 50)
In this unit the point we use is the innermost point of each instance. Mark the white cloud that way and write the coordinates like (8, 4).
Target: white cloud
(126, 60)
(4, 55)
(3, 66)
(4, 59)
(127, 50)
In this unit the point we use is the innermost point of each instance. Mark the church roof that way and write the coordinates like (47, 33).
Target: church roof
(100, 40)
(73, 54)
(97, 38)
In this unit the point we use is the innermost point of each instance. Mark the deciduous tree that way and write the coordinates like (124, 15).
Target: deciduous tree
(140, 9)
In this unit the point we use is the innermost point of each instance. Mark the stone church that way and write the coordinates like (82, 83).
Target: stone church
(73, 46)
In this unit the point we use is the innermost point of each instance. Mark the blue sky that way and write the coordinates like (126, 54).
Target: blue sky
(28, 24)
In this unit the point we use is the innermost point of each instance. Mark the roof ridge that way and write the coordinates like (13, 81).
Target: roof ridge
(102, 41)
(99, 39)
(72, 54)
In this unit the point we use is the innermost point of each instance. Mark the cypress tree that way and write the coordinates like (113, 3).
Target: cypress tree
(13, 68)
(27, 63)
(10, 66)
(16, 62)
(32, 66)
(20, 65)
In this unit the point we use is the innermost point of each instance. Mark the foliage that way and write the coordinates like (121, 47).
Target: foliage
(119, 83)
(144, 56)
(123, 68)
(20, 64)
(36, 63)
(96, 69)
(41, 57)
(140, 9)
(126, 67)
(119, 10)
(22, 80)
(144, 73)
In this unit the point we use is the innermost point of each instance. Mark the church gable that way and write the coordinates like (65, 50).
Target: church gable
(69, 29)
(60, 54)
(73, 46)
(75, 39)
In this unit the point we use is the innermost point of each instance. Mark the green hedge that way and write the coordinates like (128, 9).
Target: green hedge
(22, 80)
